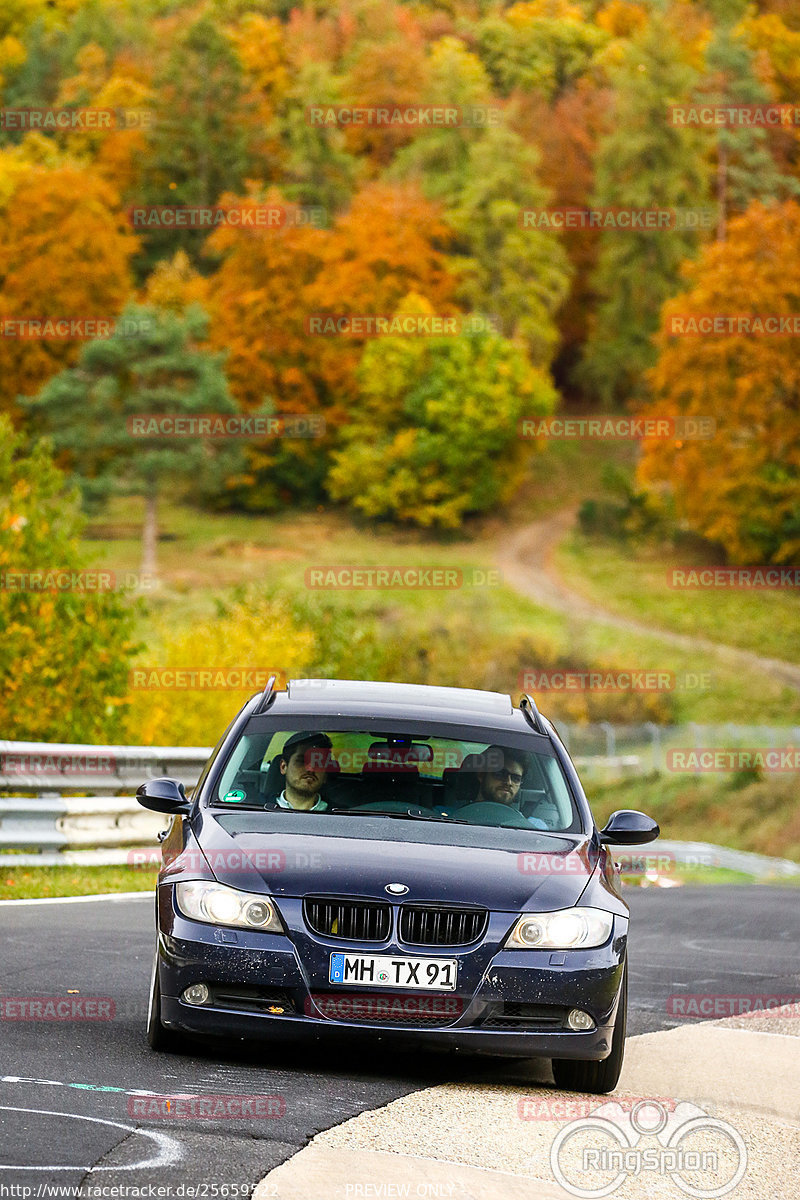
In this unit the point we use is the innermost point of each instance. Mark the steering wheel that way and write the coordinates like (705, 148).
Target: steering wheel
(489, 812)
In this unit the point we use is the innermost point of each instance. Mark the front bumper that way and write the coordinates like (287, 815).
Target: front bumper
(508, 1002)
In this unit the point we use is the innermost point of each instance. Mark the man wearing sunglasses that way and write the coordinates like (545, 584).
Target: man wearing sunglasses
(501, 785)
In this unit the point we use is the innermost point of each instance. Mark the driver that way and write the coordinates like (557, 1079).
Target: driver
(501, 786)
(303, 774)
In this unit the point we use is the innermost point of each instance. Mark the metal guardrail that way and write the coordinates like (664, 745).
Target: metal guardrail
(66, 766)
(51, 824)
(48, 823)
(706, 854)
(606, 752)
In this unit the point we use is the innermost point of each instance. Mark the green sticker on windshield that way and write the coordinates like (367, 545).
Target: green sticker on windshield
(234, 797)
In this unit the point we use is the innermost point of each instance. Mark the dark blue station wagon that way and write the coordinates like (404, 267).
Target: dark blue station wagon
(398, 863)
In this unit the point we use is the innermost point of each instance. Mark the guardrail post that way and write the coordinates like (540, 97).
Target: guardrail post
(655, 744)
(611, 738)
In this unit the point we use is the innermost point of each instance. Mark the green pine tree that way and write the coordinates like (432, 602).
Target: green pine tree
(318, 169)
(198, 146)
(643, 162)
(745, 167)
(519, 275)
(151, 365)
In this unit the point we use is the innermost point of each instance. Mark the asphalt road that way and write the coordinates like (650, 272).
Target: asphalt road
(66, 1088)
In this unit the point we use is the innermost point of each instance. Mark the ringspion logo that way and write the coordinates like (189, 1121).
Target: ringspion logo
(703, 1156)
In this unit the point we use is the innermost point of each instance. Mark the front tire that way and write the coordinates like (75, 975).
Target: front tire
(158, 1036)
(587, 1075)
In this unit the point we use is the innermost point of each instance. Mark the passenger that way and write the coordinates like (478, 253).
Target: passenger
(303, 772)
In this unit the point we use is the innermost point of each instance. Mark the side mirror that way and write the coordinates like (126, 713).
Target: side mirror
(163, 796)
(627, 827)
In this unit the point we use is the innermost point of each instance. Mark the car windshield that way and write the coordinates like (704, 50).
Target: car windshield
(389, 775)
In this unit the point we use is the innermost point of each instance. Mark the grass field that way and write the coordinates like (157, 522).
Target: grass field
(691, 875)
(35, 883)
(481, 634)
(635, 585)
(761, 816)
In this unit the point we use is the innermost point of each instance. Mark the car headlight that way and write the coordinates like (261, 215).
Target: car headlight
(565, 929)
(220, 905)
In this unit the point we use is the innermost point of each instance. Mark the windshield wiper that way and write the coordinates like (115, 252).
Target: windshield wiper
(228, 807)
(406, 816)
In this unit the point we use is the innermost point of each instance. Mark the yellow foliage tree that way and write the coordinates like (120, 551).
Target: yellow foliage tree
(253, 636)
(115, 151)
(67, 635)
(175, 285)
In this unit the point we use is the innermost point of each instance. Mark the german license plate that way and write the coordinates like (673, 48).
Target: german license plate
(383, 970)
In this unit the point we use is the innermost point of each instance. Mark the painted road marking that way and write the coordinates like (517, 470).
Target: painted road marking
(169, 1153)
(96, 1087)
(84, 899)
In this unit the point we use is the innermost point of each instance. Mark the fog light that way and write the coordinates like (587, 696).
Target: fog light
(579, 1020)
(198, 993)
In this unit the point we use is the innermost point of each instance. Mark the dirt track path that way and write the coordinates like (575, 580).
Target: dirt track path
(526, 564)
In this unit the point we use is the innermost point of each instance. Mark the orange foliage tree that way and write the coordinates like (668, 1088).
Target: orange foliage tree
(742, 488)
(65, 250)
(390, 70)
(269, 285)
(272, 281)
(391, 242)
(567, 132)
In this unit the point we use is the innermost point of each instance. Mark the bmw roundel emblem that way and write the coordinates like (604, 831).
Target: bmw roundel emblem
(396, 889)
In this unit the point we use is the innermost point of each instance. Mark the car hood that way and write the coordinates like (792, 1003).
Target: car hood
(552, 873)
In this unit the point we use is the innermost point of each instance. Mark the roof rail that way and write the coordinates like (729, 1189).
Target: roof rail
(532, 715)
(266, 698)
